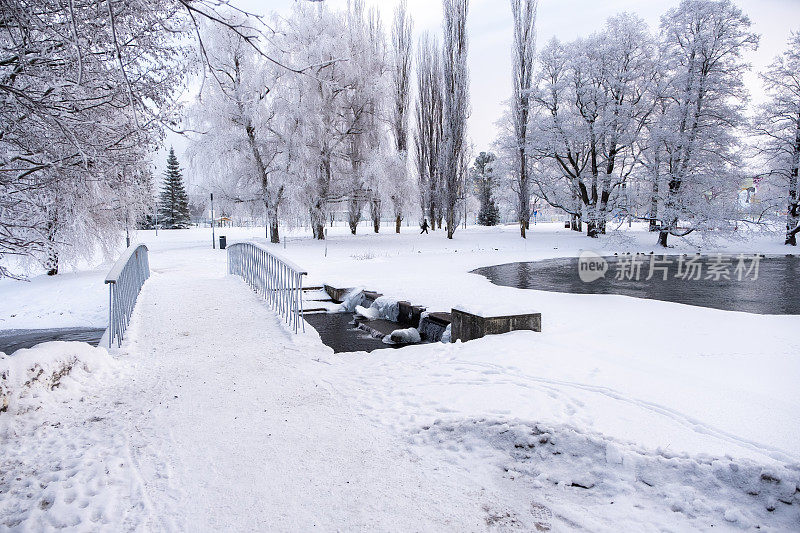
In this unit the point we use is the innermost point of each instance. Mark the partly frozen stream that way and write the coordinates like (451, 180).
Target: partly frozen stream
(336, 330)
(12, 340)
(773, 291)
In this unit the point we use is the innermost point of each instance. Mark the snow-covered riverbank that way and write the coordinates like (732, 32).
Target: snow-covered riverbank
(623, 414)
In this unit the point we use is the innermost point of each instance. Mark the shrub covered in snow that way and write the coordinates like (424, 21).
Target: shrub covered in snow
(30, 375)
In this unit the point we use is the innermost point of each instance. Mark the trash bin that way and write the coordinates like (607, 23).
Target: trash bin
(222, 242)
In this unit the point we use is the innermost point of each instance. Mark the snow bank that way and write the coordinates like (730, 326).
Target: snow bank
(580, 465)
(403, 336)
(28, 376)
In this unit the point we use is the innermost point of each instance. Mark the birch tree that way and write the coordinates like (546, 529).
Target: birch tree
(237, 148)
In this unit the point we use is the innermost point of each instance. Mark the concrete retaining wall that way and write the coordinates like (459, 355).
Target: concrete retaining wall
(467, 326)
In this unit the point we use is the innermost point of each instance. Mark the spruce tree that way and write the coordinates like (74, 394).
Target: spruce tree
(484, 180)
(173, 211)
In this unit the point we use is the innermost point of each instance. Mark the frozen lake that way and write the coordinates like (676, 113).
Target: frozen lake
(12, 340)
(772, 291)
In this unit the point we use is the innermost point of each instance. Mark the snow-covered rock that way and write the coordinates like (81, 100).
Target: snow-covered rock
(403, 336)
(384, 307)
(352, 299)
(369, 313)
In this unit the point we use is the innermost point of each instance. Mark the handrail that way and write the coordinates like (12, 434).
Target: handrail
(125, 280)
(277, 279)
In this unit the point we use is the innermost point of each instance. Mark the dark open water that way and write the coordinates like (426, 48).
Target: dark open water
(12, 340)
(775, 291)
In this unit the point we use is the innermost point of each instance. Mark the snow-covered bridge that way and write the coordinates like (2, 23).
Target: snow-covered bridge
(215, 421)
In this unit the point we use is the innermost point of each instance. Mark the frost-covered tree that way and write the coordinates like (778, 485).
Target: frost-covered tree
(778, 125)
(484, 181)
(591, 101)
(402, 30)
(238, 150)
(523, 53)
(455, 109)
(367, 79)
(173, 204)
(428, 129)
(704, 42)
(85, 91)
(83, 88)
(336, 110)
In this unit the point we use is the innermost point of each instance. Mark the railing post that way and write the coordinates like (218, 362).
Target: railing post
(110, 315)
(125, 281)
(277, 280)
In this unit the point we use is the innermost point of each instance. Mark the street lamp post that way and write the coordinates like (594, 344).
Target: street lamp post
(213, 242)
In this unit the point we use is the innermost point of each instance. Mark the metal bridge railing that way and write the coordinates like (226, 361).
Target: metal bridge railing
(278, 280)
(124, 281)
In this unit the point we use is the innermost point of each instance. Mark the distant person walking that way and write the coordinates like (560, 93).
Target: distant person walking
(424, 226)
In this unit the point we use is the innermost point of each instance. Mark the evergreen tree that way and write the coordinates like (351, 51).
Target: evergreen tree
(483, 178)
(173, 211)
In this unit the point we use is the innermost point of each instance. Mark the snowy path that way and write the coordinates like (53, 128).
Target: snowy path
(236, 434)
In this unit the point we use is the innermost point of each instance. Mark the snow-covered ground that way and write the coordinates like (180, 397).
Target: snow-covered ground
(623, 414)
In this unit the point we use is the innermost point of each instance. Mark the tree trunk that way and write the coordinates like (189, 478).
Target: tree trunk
(354, 214)
(602, 215)
(274, 237)
(272, 222)
(576, 224)
(654, 208)
(654, 196)
(397, 222)
(375, 214)
(793, 204)
(318, 220)
(662, 238)
(52, 262)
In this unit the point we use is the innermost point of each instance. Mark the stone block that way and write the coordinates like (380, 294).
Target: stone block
(468, 326)
(337, 295)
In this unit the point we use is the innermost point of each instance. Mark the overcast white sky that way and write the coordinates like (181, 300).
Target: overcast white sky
(489, 27)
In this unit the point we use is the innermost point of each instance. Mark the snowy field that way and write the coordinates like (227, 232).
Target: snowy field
(622, 415)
